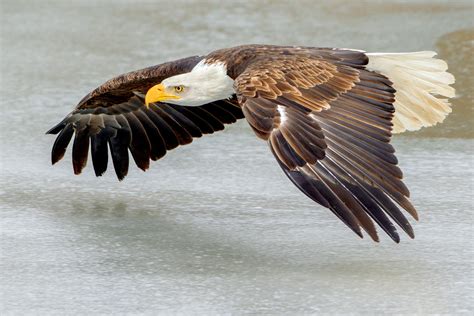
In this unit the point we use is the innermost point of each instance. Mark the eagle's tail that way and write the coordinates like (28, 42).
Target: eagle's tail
(422, 87)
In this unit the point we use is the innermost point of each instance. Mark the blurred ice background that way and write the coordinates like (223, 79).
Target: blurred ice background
(215, 227)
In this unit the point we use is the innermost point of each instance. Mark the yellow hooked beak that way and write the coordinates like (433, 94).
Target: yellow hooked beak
(157, 93)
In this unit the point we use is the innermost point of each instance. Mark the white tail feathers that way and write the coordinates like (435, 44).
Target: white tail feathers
(422, 87)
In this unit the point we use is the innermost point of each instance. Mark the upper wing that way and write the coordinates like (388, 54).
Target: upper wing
(329, 126)
(115, 114)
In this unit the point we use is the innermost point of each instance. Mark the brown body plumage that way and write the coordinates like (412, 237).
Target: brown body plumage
(326, 116)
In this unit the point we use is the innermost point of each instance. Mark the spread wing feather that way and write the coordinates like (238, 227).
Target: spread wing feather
(329, 126)
(148, 133)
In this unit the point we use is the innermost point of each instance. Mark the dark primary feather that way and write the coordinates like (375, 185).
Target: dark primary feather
(62, 141)
(119, 144)
(99, 151)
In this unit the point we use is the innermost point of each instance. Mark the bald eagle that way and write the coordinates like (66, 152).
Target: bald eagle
(327, 115)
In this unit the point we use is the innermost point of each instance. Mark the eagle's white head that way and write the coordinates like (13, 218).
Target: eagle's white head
(206, 82)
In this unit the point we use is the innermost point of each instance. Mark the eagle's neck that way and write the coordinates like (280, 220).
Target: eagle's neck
(207, 82)
(212, 81)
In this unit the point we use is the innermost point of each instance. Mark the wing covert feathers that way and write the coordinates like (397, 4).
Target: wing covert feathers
(307, 81)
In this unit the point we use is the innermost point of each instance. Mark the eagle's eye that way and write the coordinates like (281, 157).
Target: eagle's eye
(179, 89)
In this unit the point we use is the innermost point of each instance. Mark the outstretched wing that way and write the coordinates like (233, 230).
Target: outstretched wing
(328, 123)
(114, 116)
